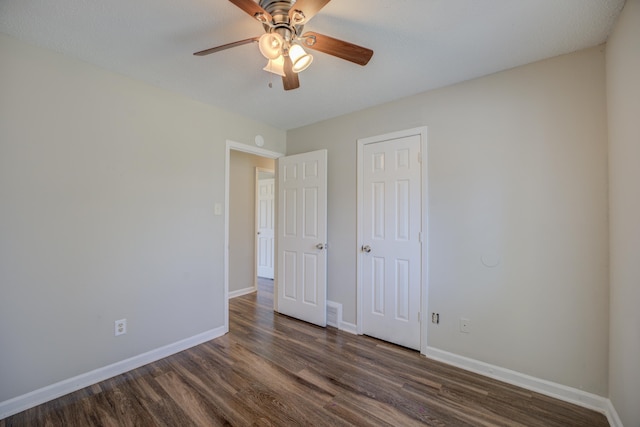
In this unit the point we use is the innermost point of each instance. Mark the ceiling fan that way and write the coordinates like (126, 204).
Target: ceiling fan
(283, 42)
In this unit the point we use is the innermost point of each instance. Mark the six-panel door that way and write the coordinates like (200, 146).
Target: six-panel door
(302, 236)
(391, 253)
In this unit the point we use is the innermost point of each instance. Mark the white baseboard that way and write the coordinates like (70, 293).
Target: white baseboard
(612, 415)
(348, 327)
(53, 391)
(241, 292)
(548, 388)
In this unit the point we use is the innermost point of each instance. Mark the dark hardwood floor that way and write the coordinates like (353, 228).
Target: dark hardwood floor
(273, 370)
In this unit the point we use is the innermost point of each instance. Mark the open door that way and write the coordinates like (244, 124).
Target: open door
(301, 271)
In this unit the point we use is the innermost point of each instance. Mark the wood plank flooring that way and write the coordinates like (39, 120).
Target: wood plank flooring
(271, 370)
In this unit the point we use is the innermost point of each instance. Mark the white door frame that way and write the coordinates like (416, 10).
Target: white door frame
(257, 215)
(422, 132)
(245, 148)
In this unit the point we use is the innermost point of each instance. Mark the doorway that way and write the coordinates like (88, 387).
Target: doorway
(392, 235)
(240, 264)
(301, 188)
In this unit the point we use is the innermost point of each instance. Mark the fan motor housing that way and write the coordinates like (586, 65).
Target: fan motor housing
(279, 11)
(275, 7)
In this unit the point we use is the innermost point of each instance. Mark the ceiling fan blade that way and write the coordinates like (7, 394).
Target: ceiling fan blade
(308, 8)
(253, 9)
(226, 46)
(290, 80)
(345, 50)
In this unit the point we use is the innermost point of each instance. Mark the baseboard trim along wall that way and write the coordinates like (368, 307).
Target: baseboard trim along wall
(612, 415)
(548, 388)
(348, 327)
(53, 391)
(241, 292)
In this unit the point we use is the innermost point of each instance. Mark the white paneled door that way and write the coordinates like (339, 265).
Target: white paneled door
(302, 237)
(391, 249)
(266, 226)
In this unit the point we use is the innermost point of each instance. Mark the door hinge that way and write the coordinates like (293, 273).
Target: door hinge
(419, 318)
(420, 236)
(419, 157)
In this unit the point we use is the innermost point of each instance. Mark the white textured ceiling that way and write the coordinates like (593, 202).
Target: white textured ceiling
(418, 44)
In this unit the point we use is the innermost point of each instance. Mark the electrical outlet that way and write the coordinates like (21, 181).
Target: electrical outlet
(465, 324)
(435, 318)
(121, 327)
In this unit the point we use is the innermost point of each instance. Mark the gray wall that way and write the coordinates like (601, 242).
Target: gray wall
(242, 222)
(107, 192)
(623, 97)
(517, 165)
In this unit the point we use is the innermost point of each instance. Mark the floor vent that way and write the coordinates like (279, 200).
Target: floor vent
(334, 313)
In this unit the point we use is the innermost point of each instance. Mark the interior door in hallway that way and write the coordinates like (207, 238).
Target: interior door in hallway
(301, 272)
(391, 248)
(265, 220)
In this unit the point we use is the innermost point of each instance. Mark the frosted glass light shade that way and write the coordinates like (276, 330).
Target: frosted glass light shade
(299, 58)
(270, 45)
(276, 66)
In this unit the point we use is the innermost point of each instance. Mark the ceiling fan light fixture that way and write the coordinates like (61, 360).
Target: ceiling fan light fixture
(283, 41)
(299, 58)
(270, 45)
(276, 66)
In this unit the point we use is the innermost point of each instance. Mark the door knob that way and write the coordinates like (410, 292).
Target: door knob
(366, 248)
(321, 246)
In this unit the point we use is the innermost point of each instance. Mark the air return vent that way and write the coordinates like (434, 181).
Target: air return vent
(334, 314)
